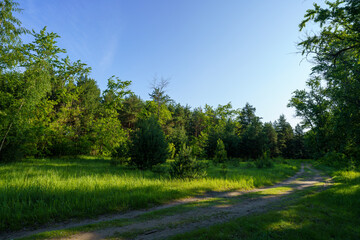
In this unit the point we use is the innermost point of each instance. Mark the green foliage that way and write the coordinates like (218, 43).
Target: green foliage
(198, 145)
(186, 165)
(158, 95)
(149, 146)
(172, 151)
(49, 106)
(115, 94)
(10, 35)
(330, 105)
(335, 159)
(220, 152)
(121, 154)
(249, 165)
(284, 136)
(270, 139)
(129, 113)
(109, 135)
(251, 133)
(178, 137)
(223, 169)
(264, 161)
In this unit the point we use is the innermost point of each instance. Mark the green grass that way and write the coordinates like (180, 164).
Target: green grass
(330, 214)
(42, 191)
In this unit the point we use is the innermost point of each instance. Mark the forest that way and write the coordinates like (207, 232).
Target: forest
(51, 107)
(69, 150)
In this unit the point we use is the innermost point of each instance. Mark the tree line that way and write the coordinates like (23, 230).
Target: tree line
(50, 106)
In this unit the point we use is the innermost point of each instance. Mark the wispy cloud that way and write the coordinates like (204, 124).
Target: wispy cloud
(109, 52)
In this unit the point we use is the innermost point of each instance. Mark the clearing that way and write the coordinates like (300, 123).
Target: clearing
(187, 214)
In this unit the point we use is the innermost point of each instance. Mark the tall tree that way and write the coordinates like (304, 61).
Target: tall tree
(270, 139)
(158, 94)
(335, 50)
(21, 90)
(284, 135)
(10, 35)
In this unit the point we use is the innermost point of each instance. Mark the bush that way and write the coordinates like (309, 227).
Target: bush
(249, 165)
(263, 163)
(335, 159)
(235, 162)
(186, 166)
(149, 146)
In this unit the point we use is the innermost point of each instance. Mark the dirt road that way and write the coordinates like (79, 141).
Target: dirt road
(197, 212)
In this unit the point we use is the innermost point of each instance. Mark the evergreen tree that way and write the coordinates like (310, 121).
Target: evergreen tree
(186, 166)
(149, 146)
(220, 152)
(284, 135)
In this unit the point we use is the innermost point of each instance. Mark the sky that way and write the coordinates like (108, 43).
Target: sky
(212, 51)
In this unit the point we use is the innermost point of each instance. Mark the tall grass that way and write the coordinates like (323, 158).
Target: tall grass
(39, 191)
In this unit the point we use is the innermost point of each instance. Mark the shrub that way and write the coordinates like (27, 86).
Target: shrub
(249, 165)
(335, 159)
(263, 163)
(186, 166)
(235, 162)
(149, 146)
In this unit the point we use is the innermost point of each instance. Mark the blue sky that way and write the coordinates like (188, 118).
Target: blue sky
(213, 51)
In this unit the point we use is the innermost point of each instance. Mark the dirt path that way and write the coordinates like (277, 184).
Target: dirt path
(225, 206)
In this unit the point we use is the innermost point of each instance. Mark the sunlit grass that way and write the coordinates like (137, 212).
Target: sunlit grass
(39, 191)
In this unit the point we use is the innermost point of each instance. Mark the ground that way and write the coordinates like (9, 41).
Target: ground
(188, 214)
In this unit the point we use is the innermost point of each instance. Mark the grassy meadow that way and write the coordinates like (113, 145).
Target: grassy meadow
(330, 214)
(42, 191)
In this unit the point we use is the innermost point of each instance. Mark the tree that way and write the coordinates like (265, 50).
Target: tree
(186, 166)
(334, 51)
(130, 112)
(284, 135)
(158, 94)
(178, 137)
(107, 127)
(270, 140)
(250, 131)
(149, 146)
(220, 152)
(297, 146)
(196, 122)
(22, 90)
(10, 33)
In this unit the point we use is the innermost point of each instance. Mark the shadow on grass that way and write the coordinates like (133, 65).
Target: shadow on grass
(331, 214)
